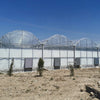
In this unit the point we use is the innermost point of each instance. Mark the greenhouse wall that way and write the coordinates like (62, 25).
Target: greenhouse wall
(66, 56)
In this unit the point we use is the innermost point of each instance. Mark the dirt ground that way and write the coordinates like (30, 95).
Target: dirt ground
(54, 85)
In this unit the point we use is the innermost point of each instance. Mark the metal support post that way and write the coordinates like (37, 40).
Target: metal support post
(74, 48)
(97, 52)
(42, 50)
(51, 57)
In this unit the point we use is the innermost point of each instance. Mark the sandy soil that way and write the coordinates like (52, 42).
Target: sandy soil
(54, 85)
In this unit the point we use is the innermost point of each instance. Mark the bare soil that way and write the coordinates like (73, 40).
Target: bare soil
(53, 85)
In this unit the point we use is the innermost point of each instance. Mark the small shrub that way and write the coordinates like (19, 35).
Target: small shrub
(45, 89)
(71, 70)
(51, 79)
(11, 68)
(73, 78)
(57, 87)
(1, 73)
(28, 90)
(40, 66)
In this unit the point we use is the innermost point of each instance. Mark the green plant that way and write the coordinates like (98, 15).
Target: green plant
(1, 73)
(28, 90)
(57, 87)
(71, 70)
(51, 79)
(73, 78)
(40, 66)
(11, 68)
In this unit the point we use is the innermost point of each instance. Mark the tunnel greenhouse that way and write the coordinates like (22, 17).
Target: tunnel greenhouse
(58, 52)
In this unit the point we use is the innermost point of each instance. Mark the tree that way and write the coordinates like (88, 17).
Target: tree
(71, 70)
(11, 68)
(40, 66)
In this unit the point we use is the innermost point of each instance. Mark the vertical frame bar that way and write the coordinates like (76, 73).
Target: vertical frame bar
(74, 48)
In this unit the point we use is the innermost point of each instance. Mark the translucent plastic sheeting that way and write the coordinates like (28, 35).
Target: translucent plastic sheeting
(83, 61)
(83, 53)
(27, 53)
(55, 53)
(47, 62)
(37, 53)
(4, 64)
(63, 53)
(57, 40)
(70, 53)
(70, 61)
(15, 53)
(64, 62)
(94, 54)
(90, 61)
(17, 64)
(47, 53)
(89, 53)
(19, 39)
(4, 53)
(77, 53)
(35, 63)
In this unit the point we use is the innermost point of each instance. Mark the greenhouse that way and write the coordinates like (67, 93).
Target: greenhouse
(58, 52)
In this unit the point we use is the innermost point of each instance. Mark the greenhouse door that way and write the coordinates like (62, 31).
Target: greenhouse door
(96, 61)
(28, 64)
(56, 63)
(77, 62)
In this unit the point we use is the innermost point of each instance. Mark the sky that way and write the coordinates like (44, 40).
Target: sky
(73, 18)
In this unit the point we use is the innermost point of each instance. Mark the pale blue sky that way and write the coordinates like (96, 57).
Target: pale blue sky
(44, 18)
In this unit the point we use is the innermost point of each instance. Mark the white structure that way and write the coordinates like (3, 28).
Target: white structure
(23, 45)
